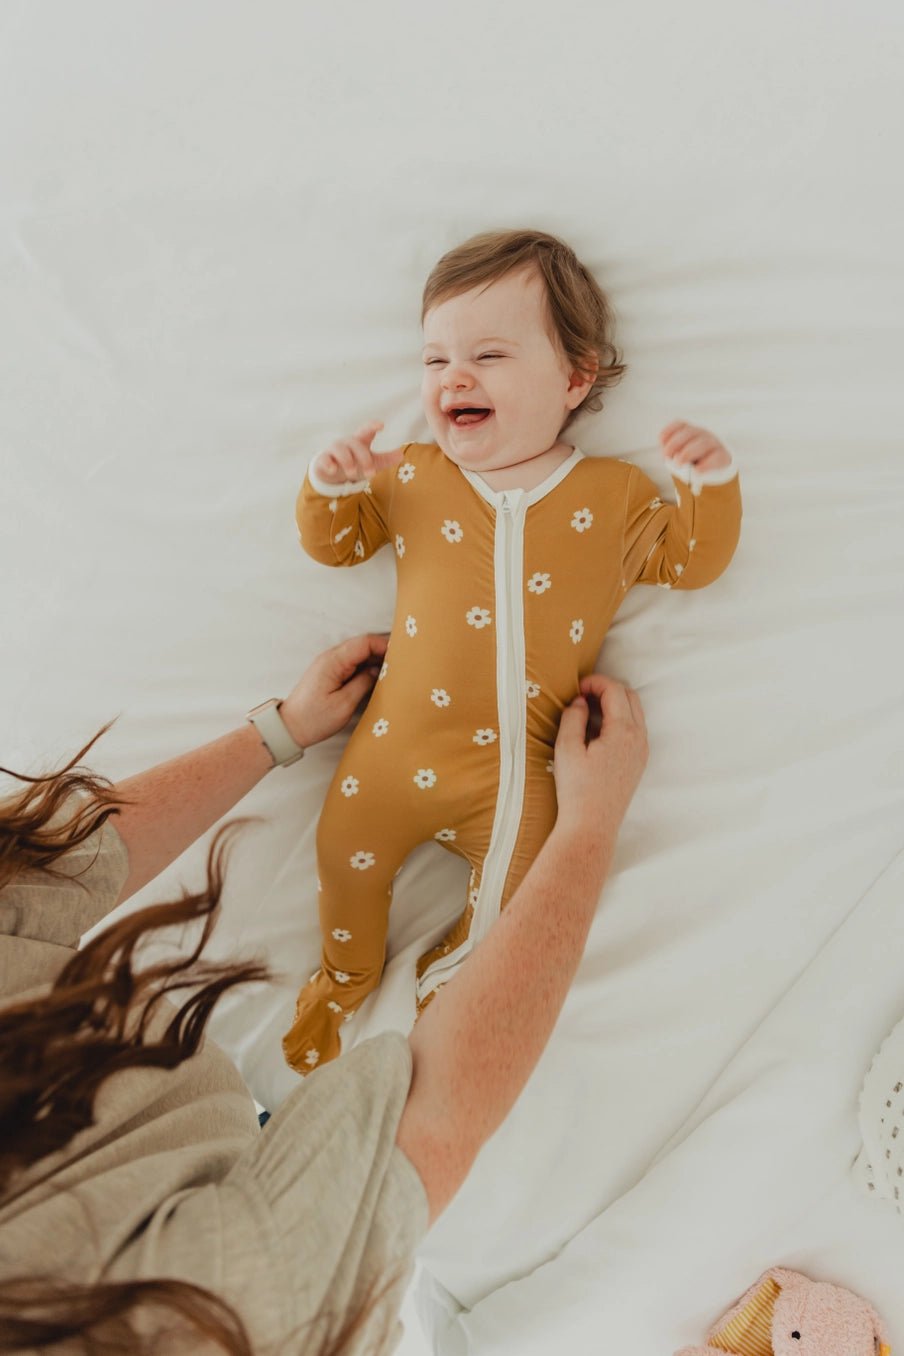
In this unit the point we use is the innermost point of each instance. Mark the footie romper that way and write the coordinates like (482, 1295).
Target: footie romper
(503, 602)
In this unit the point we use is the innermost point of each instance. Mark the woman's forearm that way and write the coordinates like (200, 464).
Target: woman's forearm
(478, 1041)
(176, 802)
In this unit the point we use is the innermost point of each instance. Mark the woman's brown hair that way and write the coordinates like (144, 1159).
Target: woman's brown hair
(57, 1050)
(580, 315)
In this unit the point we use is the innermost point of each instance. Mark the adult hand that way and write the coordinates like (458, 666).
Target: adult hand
(595, 780)
(325, 697)
(686, 444)
(350, 459)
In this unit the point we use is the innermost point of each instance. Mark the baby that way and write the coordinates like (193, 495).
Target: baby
(514, 552)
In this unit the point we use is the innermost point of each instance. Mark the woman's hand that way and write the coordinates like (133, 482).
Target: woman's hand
(596, 779)
(326, 695)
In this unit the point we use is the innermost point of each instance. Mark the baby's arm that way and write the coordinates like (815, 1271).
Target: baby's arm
(688, 544)
(341, 519)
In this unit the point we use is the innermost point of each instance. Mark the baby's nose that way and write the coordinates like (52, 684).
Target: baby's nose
(456, 378)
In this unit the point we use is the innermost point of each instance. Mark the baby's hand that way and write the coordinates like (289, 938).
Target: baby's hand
(686, 444)
(350, 459)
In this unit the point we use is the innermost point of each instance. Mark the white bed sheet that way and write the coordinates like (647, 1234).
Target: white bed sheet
(215, 225)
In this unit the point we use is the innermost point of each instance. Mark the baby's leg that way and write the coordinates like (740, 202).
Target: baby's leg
(363, 837)
(493, 881)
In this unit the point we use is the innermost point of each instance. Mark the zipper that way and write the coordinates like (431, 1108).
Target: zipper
(511, 685)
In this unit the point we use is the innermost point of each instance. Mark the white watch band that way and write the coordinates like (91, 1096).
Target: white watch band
(272, 729)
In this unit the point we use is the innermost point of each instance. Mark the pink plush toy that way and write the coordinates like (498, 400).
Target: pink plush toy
(787, 1314)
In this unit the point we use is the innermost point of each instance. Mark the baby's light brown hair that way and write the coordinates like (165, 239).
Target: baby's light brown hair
(580, 316)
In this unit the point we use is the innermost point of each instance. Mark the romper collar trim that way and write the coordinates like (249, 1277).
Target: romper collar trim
(496, 497)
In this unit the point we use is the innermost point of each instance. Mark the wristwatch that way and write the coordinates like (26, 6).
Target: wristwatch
(273, 731)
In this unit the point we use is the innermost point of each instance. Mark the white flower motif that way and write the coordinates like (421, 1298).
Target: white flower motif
(359, 548)
(380, 727)
(445, 836)
(550, 766)
(399, 546)
(472, 896)
(582, 520)
(312, 1057)
(334, 1007)
(344, 533)
(425, 777)
(692, 543)
(577, 631)
(342, 934)
(478, 617)
(405, 472)
(665, 586)
(679, 569)
(411, 626)
(539, 583)
(361, 861)
(333, 505)
(383, 671)
(349, 1015)
(655, 503)
(533, 689)
(350, 786)
(451, 530)
(440, 697)
(485, 737)
(341, 977)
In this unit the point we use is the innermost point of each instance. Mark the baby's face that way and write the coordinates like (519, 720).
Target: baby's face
(496, 387)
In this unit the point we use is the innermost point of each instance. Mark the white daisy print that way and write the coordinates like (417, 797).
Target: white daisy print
(342, 934)
(359, 549)
(472, 896)
(406, 472)
(539, 583)
(333, 505)
(533, 689)
(411, 626)
(485, 737)
(679, 569)
(451, 530)
(361, 861)
(550, 766)
(334, 1007)
(380, 727)
(312, 1057)
(582, 520)
(445, 836)
(577, 631)
(340, 536)
(655, 503)
(399, 546)
(383, 671)
(478, 617)
(349, 1015)
(425, 777)
(692, 543)
(440, 697)
(350, 786)
(665, 586)
(341, 977)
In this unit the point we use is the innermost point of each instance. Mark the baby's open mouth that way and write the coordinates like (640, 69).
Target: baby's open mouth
(469, 414)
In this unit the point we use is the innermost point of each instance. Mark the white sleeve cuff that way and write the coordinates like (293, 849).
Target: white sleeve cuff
(334, 491)
(688, 475)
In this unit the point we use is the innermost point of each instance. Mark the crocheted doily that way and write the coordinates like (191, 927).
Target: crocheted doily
(879, 1167)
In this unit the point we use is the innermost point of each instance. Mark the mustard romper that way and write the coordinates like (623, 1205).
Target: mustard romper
(503, 602)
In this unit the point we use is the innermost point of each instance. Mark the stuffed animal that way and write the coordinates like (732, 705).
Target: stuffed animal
(787, 1314)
